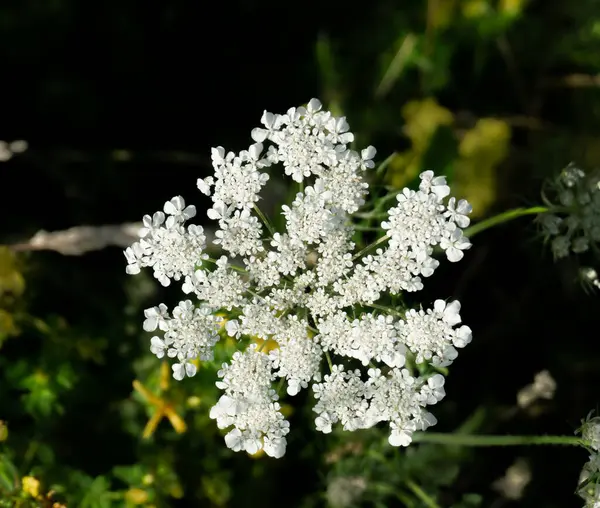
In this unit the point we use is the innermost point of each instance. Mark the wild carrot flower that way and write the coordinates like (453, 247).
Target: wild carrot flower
(306, 287)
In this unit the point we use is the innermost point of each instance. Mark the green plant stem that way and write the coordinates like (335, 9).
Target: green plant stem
(358, 227)
(386, 309)
(483, 440)
(233, 267)
(504, 217)
(280, 384)
(422, 495)
(371, 215)
(389, 197)
(370, 246)
(266, 221)
(312, 329)
(383, 166)
(329, 361)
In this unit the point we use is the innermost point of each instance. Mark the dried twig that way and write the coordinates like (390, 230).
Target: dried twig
(81, 239)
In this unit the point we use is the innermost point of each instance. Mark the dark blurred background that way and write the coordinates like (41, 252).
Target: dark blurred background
(120, 103)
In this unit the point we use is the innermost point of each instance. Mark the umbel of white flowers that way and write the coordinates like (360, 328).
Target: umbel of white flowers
(589, 479)
(305, 288)
(574, 225)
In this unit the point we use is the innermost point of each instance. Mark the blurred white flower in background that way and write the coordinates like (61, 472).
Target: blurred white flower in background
(8, 149)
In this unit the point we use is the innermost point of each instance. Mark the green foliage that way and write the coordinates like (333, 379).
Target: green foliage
(496, 95)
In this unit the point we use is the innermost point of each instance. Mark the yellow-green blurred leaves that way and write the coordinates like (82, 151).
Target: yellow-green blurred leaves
(11, 279)
(440, 13)
(470, 159)
(429, 48)
(511, 7)
(3, 431)
(136, 497)
(421, 121)
(91, 349)
(43, 390)
(474, 9)
(491, 18)
(148, 486)
(481, 150)
(23, 492)
(217, 489)
(422, 118)
(8, 327)
(98, 494)
(12, 286)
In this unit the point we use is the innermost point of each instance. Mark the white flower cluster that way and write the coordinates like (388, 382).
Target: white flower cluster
(589, 479)
(8, 150)
(589, 277)
(306, 288)
(575, 224)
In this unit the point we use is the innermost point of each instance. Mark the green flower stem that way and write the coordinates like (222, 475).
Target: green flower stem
(383, 166)
(371, 246)
(280, 384)
(483, 440)
(422, 495)
(266, 221)
(329, 361)
(233, 267)
(386, 309)
(504, 217)
(377, 212)
(371, 215)
(358, 227)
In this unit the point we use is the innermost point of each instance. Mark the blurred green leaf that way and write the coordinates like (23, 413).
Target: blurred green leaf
(97, 495)
(404, 54)
(9, 476)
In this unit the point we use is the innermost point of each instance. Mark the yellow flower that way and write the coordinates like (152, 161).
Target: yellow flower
(31, 486)
(136, 496)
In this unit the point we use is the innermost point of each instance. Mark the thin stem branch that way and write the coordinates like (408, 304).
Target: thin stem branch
(489, 440)
(371, 215)
(280, 385)
(233, 267)
(383, 308)
(504, 217)
(266, 221)
(383, 166)
(370, 246)
(421, 494)
(329, 361)
(358, 227)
